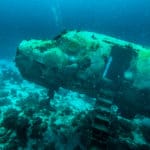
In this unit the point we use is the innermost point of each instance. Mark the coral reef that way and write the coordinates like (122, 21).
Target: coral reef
(30, 119)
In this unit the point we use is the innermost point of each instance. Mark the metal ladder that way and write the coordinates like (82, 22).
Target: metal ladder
(101, 123)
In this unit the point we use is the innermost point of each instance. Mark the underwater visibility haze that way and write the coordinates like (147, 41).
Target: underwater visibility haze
(75, 74)
(26, 19)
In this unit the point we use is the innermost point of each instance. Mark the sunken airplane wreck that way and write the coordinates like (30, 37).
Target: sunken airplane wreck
(111, 70)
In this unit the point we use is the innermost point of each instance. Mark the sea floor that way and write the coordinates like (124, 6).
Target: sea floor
(31, 120)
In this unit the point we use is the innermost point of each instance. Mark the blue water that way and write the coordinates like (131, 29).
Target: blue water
(29, 117)
(26, 19)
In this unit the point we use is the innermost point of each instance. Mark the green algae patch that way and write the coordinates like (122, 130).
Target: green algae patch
(30, 45)
(142, 79)
(143, 62)
(54, 57)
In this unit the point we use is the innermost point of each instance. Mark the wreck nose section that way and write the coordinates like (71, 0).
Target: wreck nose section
(39, 61)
